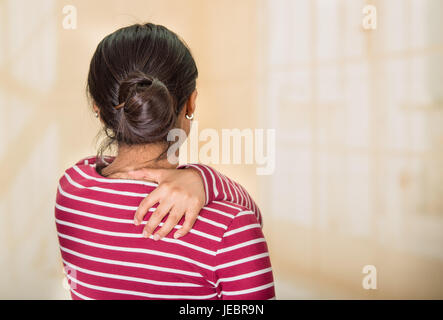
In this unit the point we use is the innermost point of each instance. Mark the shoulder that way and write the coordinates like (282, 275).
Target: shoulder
(77, 174)
(82, 169)
(83, 178)
(91, 160)
(227, 216)
(82, 173)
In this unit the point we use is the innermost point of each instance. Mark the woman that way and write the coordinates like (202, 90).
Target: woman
(142, 81)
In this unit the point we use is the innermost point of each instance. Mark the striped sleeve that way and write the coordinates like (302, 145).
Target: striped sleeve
(218, 187)
(242, 265)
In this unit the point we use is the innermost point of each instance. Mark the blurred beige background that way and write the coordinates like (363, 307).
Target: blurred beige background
(358, 115)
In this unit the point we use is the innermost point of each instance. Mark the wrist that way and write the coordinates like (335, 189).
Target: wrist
(195, 174)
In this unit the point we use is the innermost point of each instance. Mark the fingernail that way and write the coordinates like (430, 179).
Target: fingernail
(156, 237)
(136, 222)
(177, 235)
(145, 234)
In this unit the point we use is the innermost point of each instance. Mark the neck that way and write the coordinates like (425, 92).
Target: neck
(130, 158)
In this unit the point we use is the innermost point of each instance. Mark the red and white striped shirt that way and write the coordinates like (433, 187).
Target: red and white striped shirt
(224, 256)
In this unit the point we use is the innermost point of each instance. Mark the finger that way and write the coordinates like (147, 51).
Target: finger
(174, 217)
(149, 174)
(146, 204)
(190, 218)
(155, 219)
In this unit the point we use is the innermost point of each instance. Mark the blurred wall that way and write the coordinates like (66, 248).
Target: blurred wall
(358, 115)
(359, 146)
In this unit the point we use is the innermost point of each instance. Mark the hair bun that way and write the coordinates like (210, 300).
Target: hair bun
(148, 112)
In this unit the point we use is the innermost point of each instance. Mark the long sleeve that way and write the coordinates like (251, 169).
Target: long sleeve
(218, 187)
(242, 265)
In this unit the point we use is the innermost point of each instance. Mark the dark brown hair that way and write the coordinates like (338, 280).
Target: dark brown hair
(140, 78)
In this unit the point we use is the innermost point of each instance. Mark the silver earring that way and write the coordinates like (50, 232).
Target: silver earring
(96, 114)
(191, 117)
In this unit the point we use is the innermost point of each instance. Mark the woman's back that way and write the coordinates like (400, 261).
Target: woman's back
(224, 256)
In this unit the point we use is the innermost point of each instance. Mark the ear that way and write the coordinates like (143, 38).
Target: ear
(96, 109)
(190, 104)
